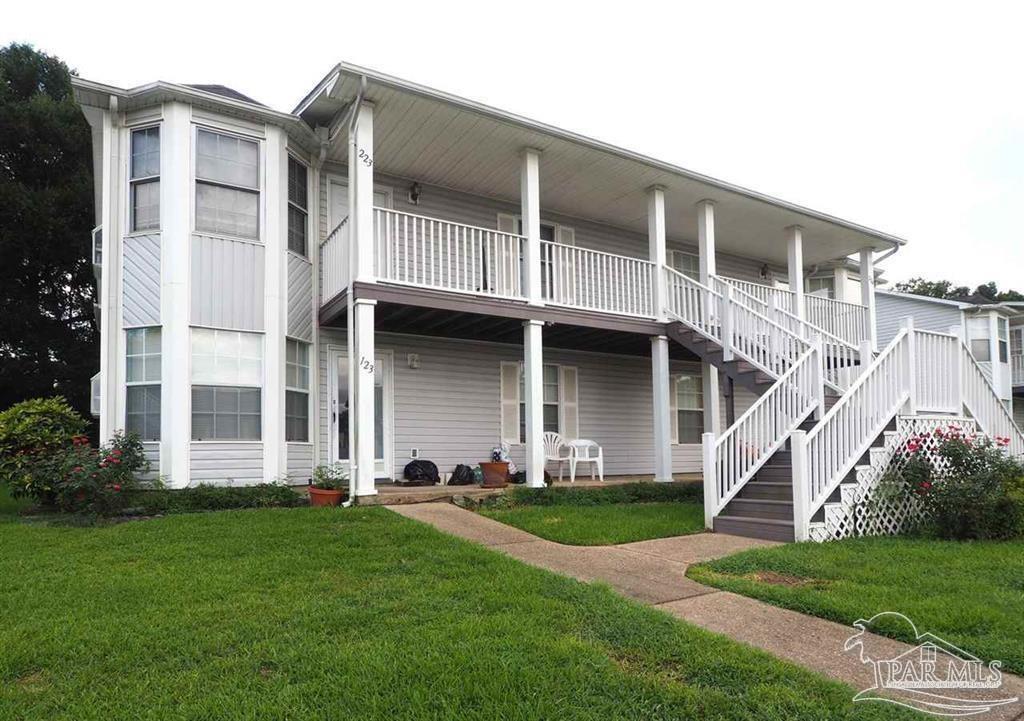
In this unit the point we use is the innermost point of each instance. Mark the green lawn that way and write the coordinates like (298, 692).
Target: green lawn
(971, 594)
(350, 614)
(604, 525)
(9, 507)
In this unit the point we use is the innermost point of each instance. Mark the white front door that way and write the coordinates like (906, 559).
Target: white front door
(382, 385)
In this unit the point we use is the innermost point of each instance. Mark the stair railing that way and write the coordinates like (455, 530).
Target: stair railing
(734, 457)
(823, 456)
(843, 360)
(982, 402)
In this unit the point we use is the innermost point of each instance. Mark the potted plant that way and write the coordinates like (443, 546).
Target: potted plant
(496, 470)
(329, 486)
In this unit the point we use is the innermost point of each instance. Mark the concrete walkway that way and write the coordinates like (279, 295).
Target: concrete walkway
(653, 572)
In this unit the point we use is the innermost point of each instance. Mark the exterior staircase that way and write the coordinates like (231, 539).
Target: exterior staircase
(822, 433)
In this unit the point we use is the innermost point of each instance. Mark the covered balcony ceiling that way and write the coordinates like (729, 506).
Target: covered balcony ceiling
(438, 139)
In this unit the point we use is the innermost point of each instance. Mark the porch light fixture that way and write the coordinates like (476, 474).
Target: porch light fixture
(414, 193)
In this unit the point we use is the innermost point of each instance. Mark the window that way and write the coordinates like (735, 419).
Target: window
(142, 414)
(551, 398)
(227, 373)
(1017, 341)
(296, 381)
(145, 180)
(689, 408)
(824, 286)
(686, 263)
(978, 336)
(225, 414)
(297, 208)
(1004, 340)
(227, 184)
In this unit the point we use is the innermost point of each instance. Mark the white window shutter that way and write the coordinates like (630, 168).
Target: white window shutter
(569, 406)
(673, 408)
(507, 224)
(565, 235)
(510, 402)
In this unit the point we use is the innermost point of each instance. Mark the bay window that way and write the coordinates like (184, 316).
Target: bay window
(298, 193)
(296, 381)
(227, 184)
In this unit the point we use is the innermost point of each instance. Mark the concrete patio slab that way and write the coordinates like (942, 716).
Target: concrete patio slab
(653, 572)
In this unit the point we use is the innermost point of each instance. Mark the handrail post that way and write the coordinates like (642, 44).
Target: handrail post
(801, 488)
(710, 479)
(911, 367)
(958, 369)
(867, 352)
(818, 379)
(728, 319)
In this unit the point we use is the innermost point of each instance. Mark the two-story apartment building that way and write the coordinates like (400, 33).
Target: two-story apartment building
(390, 271)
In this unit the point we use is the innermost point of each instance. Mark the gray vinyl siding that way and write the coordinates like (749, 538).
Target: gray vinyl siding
(449, 406)
(475, 210)
(141, 283)
(227, 283)
(226, 463)
(300, 298)
(300, 463)
(891, 310)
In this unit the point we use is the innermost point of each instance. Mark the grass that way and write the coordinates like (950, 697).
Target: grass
(9, 507)
(603, 525)
(356, 613)
(970, 594)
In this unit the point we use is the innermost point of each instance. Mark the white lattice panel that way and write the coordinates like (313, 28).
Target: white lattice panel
(867, 507)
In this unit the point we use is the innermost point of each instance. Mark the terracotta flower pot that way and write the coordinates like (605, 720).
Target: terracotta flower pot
(495, 474)
(321, 497)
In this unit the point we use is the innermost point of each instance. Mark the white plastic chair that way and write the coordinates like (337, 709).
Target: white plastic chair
(584, 451)
(553, 445)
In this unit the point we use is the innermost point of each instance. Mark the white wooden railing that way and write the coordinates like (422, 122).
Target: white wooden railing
(986, 407)
(431, 253)
(334, 258)
(936, 372)
(847, 321)
(823, 456)
(842, 360)
(734, 457)
(590, 279)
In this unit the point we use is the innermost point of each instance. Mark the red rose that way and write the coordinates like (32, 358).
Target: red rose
(116, 487)
(116, 452)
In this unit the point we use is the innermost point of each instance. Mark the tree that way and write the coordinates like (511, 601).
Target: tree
(48, 336)
(946, 289)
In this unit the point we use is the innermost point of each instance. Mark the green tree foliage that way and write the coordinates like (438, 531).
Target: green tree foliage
(48, 337)
(946, 289)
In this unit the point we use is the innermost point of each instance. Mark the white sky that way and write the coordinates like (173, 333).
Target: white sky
(906, 118)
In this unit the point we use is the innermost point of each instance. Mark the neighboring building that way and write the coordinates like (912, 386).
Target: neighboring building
(390, 271)
(992, 330)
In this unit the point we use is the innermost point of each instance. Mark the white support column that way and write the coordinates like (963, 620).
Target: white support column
(275, 453)
(662, 409)
(801, 492)
(361, 398)
(706, 258)
(656, 242)
(795, 268)
(176, 341)
(360, 194)
(841, 279)
(710, 478)
(529, 188)
(867, 294)
(533, 387)
(110, 335)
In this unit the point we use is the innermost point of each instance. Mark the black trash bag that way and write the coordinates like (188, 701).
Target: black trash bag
(520, 478)
(462, 476)
(420, 473)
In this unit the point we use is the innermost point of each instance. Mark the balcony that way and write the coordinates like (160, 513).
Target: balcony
(431, 253)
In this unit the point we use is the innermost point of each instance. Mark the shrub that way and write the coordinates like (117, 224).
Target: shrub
(32, 433)
(206, 497)
(970, 491)
(97, 480)
(331, 478)
(607, 495)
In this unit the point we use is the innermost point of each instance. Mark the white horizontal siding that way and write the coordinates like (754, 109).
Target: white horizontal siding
(235, 464)
(300, 462)
(892, 310)
(448, 407)
(151, 451)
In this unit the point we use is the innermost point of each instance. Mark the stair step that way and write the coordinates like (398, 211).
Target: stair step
(770, 472)
(767, 490)
(779, 509)
(764, 528)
